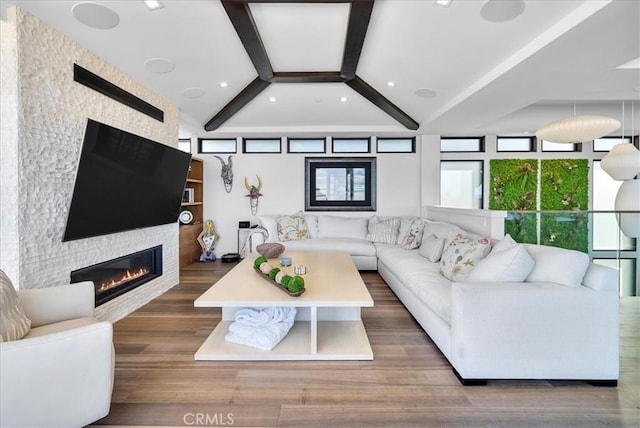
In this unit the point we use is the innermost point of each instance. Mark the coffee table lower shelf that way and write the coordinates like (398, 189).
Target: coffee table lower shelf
(336, 340)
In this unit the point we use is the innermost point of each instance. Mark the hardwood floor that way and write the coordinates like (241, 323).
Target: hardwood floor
(409, 383)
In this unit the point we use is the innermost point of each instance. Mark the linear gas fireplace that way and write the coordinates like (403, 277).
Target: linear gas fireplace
(115, 277)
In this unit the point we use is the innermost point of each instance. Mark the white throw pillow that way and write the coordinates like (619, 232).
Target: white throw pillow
(511, 265)
(431, 248)
(504, 244)
(342, 227)
(14, 323)
(413, 237)
(461, 255)
(558, 265)
(383, 230)
(440, 229)
(271, 226)
(292, 227)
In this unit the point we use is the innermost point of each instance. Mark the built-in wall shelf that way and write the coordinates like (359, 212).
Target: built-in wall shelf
(189, 247)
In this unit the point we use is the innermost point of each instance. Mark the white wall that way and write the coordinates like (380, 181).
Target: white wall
(398, 181)
(41, 142)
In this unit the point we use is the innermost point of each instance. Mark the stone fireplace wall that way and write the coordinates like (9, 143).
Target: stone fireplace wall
(44, 113)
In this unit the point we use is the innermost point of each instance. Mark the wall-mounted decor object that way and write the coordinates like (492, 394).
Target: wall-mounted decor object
(97, 83)
(254, 194)
(226, 173)
(513, 187)
(340, 184)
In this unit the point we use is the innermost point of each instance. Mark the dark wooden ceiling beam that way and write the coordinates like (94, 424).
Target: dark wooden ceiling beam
(359, 16)
(244, 24)
(364, 89)
(243, 98)
(307, 77)
(242, 20)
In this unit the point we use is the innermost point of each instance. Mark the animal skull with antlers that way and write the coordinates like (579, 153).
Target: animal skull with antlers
(226, 173)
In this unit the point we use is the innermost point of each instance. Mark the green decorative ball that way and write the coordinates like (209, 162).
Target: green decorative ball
(259, 261)
(273, 273)
(285, 281)
(295, 284)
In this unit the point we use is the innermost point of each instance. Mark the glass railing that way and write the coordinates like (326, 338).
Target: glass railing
(596, 233)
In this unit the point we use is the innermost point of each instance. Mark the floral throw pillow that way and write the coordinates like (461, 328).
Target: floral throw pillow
(292, 227)
(413, 238)
(461, 256)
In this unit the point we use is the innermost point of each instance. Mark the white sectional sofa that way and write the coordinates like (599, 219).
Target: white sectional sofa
(559, 320)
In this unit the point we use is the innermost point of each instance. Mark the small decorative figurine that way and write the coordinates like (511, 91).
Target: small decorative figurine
(207, 239)
(226, 173)
(254, 194)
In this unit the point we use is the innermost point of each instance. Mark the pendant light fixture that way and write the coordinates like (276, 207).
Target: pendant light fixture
(622, 163)
(577, 129)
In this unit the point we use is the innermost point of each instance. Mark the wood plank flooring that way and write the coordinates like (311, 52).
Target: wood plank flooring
(408, 384)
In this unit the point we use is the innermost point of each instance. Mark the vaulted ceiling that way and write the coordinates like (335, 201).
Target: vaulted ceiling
(473, 68)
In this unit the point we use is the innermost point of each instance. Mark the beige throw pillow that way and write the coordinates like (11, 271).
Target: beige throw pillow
(383, 230)
(14, 323)
(461, 256)
(292, 227)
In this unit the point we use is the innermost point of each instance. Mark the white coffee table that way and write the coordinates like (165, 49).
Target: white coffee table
(328, 324)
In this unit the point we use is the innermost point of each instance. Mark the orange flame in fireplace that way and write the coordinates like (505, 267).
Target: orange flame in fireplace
(128, 276)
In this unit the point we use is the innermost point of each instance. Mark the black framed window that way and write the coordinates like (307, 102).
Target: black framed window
(396, 145)
(351, 145)
(340, 184)
(217, 145)
(462, 144)
(261, 145)
(516, 144)
(306, 145)
(605, 144)
(461, 183)
(550, 146)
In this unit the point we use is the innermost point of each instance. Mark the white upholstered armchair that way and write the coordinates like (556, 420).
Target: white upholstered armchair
(61, 372)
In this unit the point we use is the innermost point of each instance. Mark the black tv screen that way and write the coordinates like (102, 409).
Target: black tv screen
(124, 182)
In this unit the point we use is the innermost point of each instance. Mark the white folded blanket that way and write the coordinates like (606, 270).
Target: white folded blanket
(257, 317)
(261, 328)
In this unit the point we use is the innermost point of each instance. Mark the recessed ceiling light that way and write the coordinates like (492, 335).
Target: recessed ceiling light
(154, 4)
(425, 93)
(159, 65)
(443, 3)
(223, 84)
(95, 15)
(390, 83)
(194, 92)
(501, 11)
(272, 99)
(343, 99)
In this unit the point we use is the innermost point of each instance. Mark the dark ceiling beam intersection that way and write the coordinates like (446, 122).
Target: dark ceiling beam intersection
(359, 16)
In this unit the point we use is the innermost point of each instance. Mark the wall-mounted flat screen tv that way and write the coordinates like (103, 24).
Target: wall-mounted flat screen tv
(124, 182)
